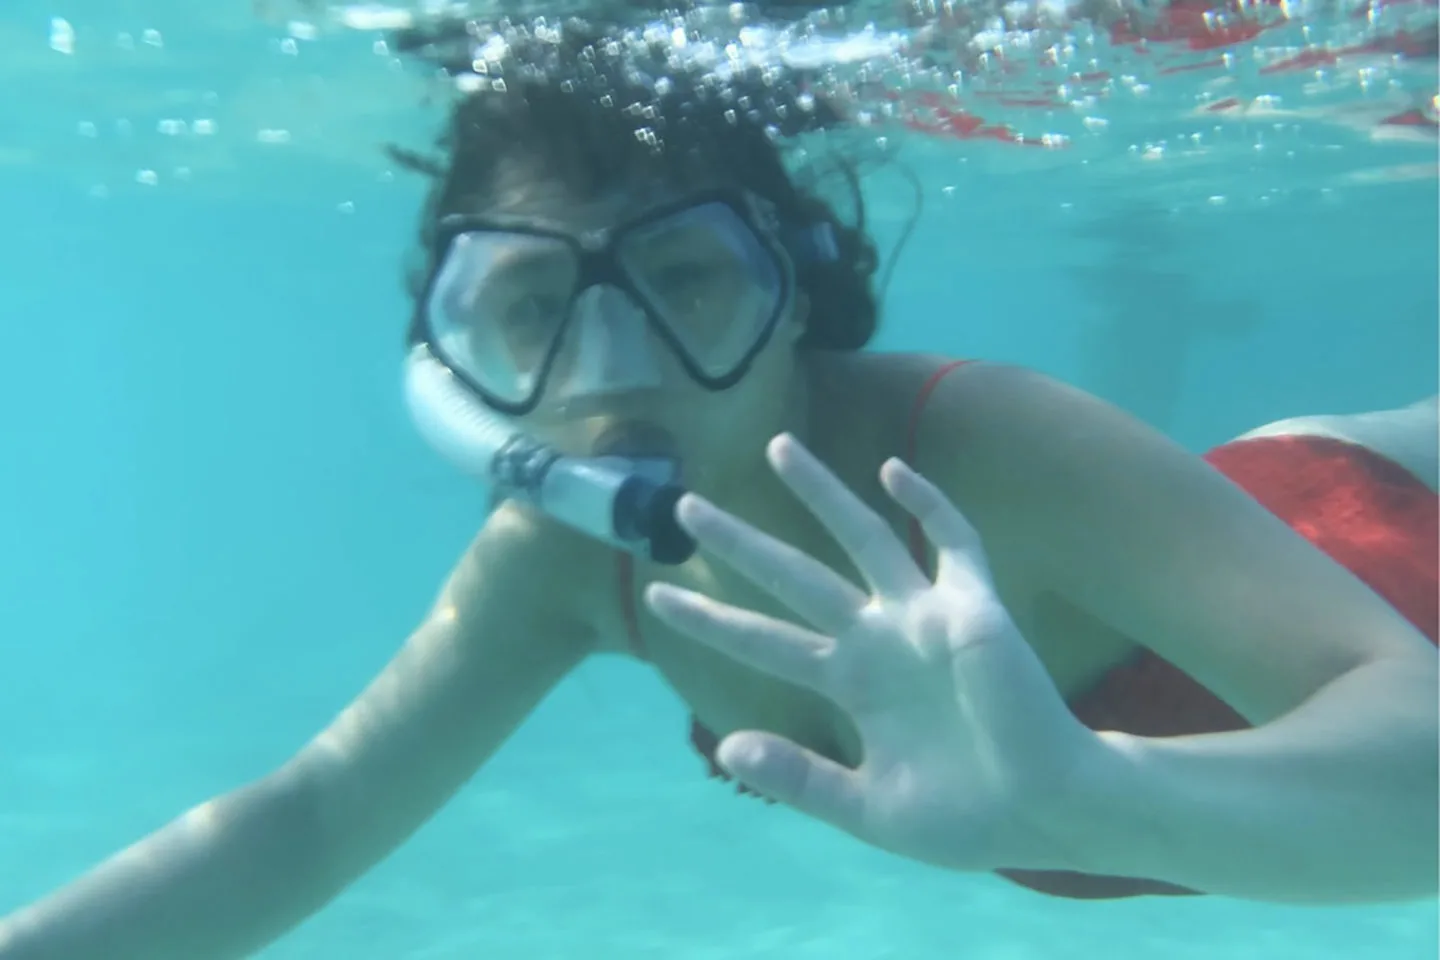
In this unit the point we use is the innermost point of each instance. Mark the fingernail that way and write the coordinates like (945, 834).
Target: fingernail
(692, 508)
(739, 753)
(785, 450)
(664, 596)
(777, 446)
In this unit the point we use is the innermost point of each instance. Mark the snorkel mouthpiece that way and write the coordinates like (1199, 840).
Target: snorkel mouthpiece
(611, 498)
(626, 502)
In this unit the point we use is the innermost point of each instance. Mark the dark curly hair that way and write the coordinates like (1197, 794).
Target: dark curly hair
(593, 111)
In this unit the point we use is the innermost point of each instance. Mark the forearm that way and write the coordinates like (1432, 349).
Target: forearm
(219, 882)
(1335, 802)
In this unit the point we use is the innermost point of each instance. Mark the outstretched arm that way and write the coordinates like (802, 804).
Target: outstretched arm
(240, 870)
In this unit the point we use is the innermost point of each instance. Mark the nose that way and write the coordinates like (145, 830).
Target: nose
(611, 347)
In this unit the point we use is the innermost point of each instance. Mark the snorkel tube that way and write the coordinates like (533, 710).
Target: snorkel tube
(614, 499)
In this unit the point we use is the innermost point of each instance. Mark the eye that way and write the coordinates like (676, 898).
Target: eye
(687, 276)
(533, 313)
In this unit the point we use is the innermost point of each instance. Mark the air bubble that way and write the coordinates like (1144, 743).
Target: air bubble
(62, 36)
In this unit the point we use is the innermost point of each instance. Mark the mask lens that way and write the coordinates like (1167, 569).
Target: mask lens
(498, 307)
(708, 279)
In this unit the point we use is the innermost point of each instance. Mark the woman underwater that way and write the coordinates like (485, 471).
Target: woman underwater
(1147, 682)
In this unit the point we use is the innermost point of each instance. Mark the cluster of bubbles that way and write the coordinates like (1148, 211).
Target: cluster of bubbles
(786, 80)
(1160, 78)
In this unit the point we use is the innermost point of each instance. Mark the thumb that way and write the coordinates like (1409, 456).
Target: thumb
(790, 774)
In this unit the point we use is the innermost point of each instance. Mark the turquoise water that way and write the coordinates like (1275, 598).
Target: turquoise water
(218, 523)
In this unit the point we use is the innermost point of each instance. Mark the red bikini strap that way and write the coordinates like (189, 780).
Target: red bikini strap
(625, 573)
(912, 444)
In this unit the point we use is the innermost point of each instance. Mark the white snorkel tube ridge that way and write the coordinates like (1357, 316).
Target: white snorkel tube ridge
(614, 499)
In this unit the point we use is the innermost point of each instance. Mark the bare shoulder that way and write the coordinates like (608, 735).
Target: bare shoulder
(881, 375)
(1001, 404)
(934, 411)
(529, 563)
(999, 430)
(965, 423)
(873, 396)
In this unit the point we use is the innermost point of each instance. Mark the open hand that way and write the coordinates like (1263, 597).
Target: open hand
(968, 746)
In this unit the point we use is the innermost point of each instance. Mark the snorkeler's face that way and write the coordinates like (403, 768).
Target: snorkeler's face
(673, 312)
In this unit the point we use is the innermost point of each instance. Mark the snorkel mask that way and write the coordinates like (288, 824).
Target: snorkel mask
(522, 314)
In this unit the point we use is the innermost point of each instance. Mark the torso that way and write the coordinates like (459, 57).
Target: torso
(862, 406)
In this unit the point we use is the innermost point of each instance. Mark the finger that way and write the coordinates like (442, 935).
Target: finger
(864, 535)
(786, 772)
(818, 594)
(957, 543)
(780, 649)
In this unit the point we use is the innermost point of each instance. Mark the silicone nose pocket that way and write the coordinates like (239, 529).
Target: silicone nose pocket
(610, 348)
